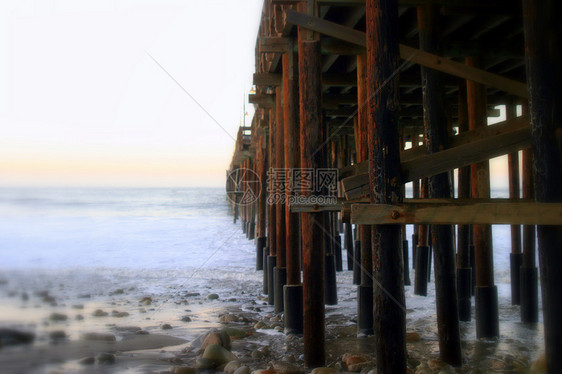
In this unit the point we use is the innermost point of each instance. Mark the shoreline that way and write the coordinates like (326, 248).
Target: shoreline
(239, 306)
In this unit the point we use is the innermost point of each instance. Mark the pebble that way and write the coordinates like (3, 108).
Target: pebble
(15, 337)
(539, 366)
(218, 354)
(186, 319)
(87, 361)
(78, 306)
(166, 326)
(242, 370)
(98, 336)
(105, 358)
(231, 367)
(58, 317)
(205, 363)
(147, 300)
(412, 336)
(235, 333)
(220, 338)
(212, 296)
(79, 317)
(323, 370)
(57, 336)
(184, 370)
(99, 313)
(118, 314)
(118, 291)
(285, 368)
(260, 325)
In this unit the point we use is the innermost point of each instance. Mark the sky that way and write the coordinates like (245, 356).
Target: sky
(84, 102)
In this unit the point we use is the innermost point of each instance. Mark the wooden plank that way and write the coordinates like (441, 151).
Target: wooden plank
(267, 79)
(469, 147)
(262, 100)
(409, 53)
(465, 213)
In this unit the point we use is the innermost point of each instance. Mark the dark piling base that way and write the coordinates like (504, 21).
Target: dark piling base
(293, 309)
(529, 295)
(464, 288)
(422, 265)
(415, 239)
(364, 311)
(429, 257)
(260, 245)
(487, 319)
(330, 288)
(473, 266)
(357, 263)
(265, 255)
(271, 262)
(337, 249)
(244, 227)
(348, 239)
(406, 263)
(279, 280)
(251, 230)
(515, 259)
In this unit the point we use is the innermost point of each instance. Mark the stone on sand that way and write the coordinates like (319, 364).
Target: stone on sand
(58, 317)
(99, 313)
(14, 337)
(205, 363)
(212, 296)
(412, 336)
(105, 358)
(281, 367)
(323, 370)
(217, 337)
(242, 370)
(219, 354)
(87, 361)
(231, 367)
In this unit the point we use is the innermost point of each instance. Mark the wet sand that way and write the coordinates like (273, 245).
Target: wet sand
(152, 325)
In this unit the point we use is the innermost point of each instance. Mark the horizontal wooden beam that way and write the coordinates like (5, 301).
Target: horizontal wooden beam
(265, 101)
(462, 213)
(411, 54)
(467, 148)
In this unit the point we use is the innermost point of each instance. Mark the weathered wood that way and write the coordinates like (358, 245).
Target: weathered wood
(412, 54)
(262, 100)
(474, 146)
(437, 133)
(311, 137)
(455, 213)
(281, 234)
(384, 179)
(291, 137)
(543, 37)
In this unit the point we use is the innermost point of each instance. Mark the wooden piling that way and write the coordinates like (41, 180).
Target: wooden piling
(384, 180)
(464, 269)
(365, 289)
(272, 218)
(437, 129)
(487, 319)
(543, 38)
(312, 157)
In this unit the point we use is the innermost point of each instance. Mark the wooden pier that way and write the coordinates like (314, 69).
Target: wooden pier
(389, 92)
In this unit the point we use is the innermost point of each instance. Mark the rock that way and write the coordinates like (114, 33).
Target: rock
(105, 358)
(186, 319)
(235, 333)
(278, 329)
(228, 318)
(79, 317)
(184, 370)
(58, 317)
(118, 314)
(242, 370)
(166, 326)
(256, 355)
(57, 336)
(128, 328)
(25, 296)
(218, 354)
(220, 338)
(142, 332)
(539, 366)
(351, 359)
(78, 306)
(205, 363)
(260, 325)
(436, 364)
(264, 371)
(360, 366)
(118, 291)
(412, 336)
(49, 299)
(15, 337)
(191, 294)
(98, 336)
(147, 300)
(285, 368)
(99, 313)
(231, 367)
(87, 361)
(323, 370)
(212, 296)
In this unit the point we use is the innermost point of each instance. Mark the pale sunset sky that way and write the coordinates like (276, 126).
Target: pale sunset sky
(82, 103)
